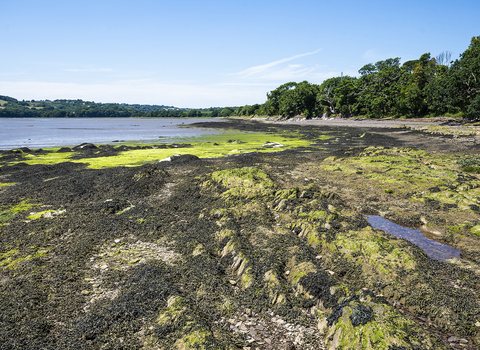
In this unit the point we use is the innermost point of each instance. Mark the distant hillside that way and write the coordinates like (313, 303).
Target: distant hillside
(13, 108)
(150, 108)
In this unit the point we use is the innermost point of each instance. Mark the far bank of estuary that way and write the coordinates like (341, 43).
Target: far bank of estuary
(252, 239)
(53, 132)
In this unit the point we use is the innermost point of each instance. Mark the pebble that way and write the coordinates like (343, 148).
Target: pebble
(270, 331)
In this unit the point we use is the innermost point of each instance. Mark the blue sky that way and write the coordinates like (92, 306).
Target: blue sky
(207, 53)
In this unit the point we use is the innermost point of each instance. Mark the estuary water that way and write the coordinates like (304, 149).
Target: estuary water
(52, 132)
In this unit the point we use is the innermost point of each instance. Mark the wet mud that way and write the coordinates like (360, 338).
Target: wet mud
(251, 251)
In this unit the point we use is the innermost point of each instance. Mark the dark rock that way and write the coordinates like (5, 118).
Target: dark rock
(114, 205)
(22, 150)
(181, 158)
(337, 312)
(64, 149)
(84, 146)
(179, 145)
(434, 204)
(474, 207)
(318, 284)
(361, 315)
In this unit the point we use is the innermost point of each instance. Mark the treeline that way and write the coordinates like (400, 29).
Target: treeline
(13, 108)
(429, 86)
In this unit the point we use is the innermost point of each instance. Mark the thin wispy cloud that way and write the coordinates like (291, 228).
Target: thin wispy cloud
(88, 70)
(293, 71)
(262, 69)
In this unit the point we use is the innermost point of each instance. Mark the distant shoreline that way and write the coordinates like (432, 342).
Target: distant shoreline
(367, 122)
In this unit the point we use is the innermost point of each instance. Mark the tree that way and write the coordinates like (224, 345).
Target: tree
(226, 112)
(248, 110)
(466, 78)
(292, 99)
(274, 98)
(412, 99)
(337, 95)
(193, 113)
(378, 88)
(456, 88)
(326, 95)
(444, 58)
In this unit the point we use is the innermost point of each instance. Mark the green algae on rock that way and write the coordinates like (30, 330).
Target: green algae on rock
(367, 255)
(209, 146)
(9, 212)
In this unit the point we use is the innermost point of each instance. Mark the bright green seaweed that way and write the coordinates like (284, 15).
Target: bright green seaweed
(207, 146)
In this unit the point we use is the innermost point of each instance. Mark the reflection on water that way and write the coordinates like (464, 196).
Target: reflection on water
(434, 250)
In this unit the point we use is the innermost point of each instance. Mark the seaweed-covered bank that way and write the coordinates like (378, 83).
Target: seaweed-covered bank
(103, 249)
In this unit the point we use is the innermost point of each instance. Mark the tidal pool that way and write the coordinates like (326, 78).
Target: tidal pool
(433, 249)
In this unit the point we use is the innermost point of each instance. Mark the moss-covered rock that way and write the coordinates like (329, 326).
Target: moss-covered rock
(368, 324)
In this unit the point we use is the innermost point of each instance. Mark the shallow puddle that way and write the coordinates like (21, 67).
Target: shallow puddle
(434, 250)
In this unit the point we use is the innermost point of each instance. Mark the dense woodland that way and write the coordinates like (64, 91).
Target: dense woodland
(13, 108)
(428, 86)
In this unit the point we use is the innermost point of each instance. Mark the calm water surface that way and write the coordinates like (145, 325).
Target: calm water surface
(43, 133)
(434, 250)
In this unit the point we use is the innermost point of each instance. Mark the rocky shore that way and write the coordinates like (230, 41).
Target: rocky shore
(250, 251)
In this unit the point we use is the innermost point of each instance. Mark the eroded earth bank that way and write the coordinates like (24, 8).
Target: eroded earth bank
(249, 251)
